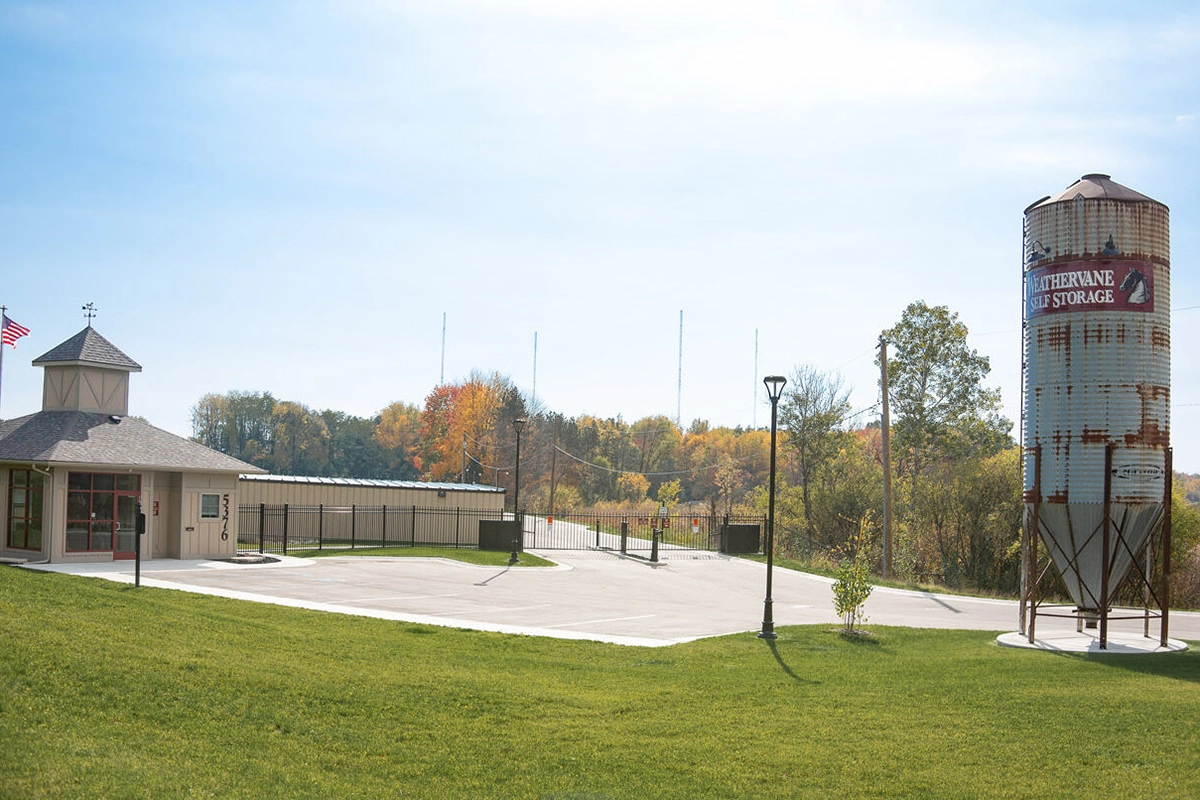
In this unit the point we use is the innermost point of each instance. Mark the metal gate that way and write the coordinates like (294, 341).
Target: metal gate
(632, 534)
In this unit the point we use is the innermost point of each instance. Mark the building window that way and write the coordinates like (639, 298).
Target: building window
(210, 506)
(102, 512)
(25, 509)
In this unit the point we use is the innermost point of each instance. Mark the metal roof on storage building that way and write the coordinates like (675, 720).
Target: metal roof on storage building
(371, 483)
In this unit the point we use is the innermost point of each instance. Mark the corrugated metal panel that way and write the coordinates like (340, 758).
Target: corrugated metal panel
(375, 482)
(1097, 369)
(310, 491)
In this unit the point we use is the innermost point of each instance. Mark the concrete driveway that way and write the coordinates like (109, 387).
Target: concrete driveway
(595, 595)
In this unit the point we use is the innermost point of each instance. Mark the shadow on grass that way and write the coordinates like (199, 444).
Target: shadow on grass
(859, 638)
(773, 644)
(1183, 666)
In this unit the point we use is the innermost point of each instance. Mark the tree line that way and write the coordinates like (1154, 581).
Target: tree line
(956, 488)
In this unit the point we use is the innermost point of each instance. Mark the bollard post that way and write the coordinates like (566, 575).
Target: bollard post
(654, 545)
(597, 532)
(624, 534)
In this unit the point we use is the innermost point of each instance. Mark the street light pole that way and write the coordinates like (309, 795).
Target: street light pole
(518, 424)
(774, 384)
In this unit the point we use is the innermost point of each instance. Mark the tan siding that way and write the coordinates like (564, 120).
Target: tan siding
(307, 494)
(201, 538)
(91, 389)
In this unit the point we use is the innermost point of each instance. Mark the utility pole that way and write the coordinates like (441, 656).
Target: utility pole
(886, 440)
(553, 462)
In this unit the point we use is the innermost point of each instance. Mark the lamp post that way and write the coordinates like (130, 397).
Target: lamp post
(518, 424)
(774, 384)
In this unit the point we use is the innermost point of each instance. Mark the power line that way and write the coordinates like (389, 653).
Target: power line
(579, 460)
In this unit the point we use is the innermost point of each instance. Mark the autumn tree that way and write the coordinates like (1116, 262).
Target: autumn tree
(466, 430)
(668, 494)
(730, 481)
(398, 435)
(657, 440)
(633, 486)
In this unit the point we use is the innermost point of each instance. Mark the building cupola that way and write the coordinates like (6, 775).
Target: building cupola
(86, 373)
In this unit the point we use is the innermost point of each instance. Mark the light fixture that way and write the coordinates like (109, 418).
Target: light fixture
(774, 384)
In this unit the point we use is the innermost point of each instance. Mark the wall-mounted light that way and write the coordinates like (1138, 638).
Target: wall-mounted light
(1110, 249)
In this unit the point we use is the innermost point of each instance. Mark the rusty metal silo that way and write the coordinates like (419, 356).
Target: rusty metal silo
(1097, 388)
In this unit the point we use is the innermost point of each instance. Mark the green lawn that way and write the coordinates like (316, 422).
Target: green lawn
(490, 558)
(108, 691)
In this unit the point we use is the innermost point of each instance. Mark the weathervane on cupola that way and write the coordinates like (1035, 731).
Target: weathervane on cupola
(89, 311)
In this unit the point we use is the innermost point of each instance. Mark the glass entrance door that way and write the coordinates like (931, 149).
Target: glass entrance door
(126, 524)
(102, 512)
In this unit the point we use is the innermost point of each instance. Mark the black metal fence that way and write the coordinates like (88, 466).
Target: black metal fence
(283, 528)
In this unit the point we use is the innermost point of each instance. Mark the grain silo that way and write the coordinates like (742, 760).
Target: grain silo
(1097, 383)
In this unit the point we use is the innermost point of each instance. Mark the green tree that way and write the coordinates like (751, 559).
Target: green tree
(813, 412)
(973, 514)
(240, 424)
(940, 406)
(301, 440)
(853, 587)
(353, 449)
(849, 488)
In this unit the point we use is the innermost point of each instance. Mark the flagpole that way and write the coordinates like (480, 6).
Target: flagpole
(9, 333)
(3, 314)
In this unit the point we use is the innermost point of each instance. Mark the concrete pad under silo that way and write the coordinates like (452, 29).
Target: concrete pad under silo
(1089, 642)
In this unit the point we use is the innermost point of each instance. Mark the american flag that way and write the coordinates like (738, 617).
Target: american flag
(12, 332)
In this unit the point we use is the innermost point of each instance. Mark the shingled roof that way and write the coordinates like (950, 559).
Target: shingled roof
(88, 347)
(78, 437)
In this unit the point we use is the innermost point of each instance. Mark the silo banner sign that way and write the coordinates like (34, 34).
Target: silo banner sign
(1090, 286)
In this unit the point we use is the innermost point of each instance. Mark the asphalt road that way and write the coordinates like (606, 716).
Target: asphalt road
(594, 595)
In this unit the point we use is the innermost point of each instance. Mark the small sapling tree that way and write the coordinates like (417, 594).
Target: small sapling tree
(852, 587)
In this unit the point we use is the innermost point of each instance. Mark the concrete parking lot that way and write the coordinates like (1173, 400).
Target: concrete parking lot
(594, 595)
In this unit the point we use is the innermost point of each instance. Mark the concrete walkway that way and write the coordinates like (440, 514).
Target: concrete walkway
(594, 595)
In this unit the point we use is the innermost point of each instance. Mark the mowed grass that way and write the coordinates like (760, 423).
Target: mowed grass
(111, 691)
(489, 558)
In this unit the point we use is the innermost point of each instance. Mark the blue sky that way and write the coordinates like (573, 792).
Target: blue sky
(287, 197)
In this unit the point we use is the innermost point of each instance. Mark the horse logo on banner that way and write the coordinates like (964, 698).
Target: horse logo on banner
(1137, 286)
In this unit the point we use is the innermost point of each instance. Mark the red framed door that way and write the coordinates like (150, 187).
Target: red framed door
(125, 540)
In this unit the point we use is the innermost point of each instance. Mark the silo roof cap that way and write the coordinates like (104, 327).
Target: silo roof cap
(1097, 186)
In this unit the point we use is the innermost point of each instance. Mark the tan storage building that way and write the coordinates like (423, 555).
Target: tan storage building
(346, 492)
